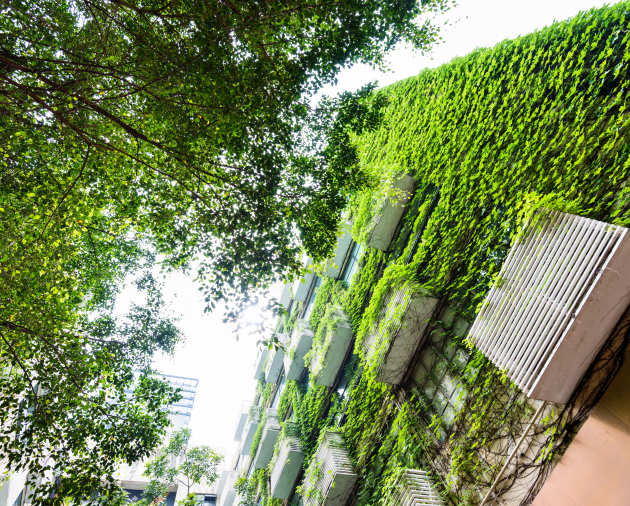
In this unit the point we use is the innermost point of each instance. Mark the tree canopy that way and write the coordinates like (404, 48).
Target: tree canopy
(138, 132)
(177, 464)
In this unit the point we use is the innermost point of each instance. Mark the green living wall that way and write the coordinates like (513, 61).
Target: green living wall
(541, 120)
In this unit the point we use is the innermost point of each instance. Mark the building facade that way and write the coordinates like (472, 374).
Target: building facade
(465, 343)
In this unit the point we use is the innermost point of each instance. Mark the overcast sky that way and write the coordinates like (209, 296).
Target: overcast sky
(223, 365)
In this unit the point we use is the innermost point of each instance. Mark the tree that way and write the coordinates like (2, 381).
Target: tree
(136, 132)
(176, 464)
(196, 112)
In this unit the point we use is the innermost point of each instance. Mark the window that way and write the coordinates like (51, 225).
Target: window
(279, 389)
(18, 500)
(311, 298)
(352, 263)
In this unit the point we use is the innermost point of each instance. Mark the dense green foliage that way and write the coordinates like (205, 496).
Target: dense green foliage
(542, 116)
(141, 132)
(538, 121)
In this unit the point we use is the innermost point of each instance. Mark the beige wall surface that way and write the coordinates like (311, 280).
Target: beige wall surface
(595, 470)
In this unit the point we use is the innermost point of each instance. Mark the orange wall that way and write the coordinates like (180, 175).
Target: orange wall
(595, 470)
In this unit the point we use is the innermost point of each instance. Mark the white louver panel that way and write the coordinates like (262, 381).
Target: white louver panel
(562, 288)
(412, 488)
(329, 479)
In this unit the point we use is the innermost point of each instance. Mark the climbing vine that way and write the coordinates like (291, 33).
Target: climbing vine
(491, 138)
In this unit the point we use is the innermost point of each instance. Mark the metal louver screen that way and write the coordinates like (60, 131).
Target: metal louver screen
(413, 488)
(562, 288)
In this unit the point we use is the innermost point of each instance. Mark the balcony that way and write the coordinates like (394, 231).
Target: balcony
(328, 355)
(329, 479)
(560, 293)
(300, 345)
(250, 429)
(333, 266)
(227, 494)
(268, 440)
(274, 366)
(286, 467)
(240, 424)
(385, 222)
(286, 296)
(399, 332)
(302, 286)
(261, 362)
(413, 488)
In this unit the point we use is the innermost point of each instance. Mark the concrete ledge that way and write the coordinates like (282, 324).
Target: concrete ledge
(274, 366)
(268, 440)
(300, 345)
(387, 218)
(287, 467)
(328, 360)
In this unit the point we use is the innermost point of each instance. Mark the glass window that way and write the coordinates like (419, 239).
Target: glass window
(352, 264)
(276, 399)
(311, 298)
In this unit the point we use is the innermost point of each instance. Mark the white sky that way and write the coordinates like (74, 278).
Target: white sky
(223, 365)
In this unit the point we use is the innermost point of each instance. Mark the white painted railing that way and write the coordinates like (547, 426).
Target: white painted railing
(560, 292)
(330, 478)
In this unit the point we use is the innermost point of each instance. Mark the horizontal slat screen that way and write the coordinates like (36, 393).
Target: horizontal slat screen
(543, 283)
(413, 488)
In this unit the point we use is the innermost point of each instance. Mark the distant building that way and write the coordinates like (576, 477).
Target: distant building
(131, 476)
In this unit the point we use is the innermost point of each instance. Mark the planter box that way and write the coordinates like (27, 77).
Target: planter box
(261, 362)
(286, 468)
(300, 345)
(240, 425)
(413, 488)
(274, 366)
(328, 359)
(386, 220)
(268, 440)
(330, 479)
(227, 494)
(250, 430)
(302, 286)
(286, 296)
(400, 332)
(560, 293)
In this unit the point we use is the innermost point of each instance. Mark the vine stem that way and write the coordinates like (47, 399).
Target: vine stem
(533, 420)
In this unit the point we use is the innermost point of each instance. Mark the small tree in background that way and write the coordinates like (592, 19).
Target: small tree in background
(176, 464)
